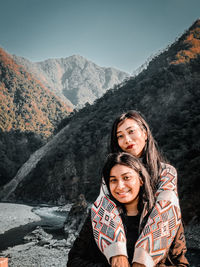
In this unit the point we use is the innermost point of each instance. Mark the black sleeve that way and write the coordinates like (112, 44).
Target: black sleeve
(84, 252)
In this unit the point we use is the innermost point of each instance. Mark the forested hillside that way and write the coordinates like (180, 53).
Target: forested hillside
(25, 104)
(167, 93)
(15, 149)
(29, 113)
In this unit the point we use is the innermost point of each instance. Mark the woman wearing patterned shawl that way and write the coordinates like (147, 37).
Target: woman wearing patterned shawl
(130, 201)
(160, 229)
(131, 133)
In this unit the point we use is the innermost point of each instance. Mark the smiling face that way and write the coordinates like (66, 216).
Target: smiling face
(131, 138)
(124, 184)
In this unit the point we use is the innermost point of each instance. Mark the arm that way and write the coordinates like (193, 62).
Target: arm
(119, 261)
(84, 252)
(178, 249)
(162, 225)
(107, 226)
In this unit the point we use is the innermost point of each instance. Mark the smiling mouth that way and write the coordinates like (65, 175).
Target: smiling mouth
(122, 194)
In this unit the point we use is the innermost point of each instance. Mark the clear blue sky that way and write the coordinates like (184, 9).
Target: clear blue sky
(115, 33)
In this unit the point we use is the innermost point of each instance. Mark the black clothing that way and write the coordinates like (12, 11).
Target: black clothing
(85, 252)
(131, 225)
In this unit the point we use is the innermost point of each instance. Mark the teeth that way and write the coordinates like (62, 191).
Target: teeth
(123, 193)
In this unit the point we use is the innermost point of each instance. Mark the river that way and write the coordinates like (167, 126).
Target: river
(52, 220)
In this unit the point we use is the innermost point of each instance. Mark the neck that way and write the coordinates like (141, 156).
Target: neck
(132, 208)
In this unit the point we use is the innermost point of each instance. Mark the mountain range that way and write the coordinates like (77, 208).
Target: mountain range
(74, 79)
(167, 93)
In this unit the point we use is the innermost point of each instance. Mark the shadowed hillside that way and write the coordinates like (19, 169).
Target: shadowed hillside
(15, 149)
(167, 93)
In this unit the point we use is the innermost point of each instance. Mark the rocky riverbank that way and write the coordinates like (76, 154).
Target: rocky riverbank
(14, 215)
(41, 250)
(38, 248)
(33, 246)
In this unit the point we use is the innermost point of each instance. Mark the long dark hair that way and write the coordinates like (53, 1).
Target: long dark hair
(152, 158)
(134, 163)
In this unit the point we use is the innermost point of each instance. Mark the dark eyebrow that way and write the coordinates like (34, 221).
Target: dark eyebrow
(129, 127)
(126, 129)
(121, 174)
(125, 173)
(118, 132)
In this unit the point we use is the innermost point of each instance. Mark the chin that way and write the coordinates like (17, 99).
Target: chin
(132, 152)
(125, 201)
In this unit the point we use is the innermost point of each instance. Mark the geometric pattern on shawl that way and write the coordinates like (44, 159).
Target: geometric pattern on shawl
(164, 220)
(106, 221)
(160, 229)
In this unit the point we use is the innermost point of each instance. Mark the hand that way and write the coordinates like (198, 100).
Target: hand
(120, 261)
(135, 264)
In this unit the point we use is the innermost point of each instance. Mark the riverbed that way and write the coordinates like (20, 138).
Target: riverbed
(17, 220)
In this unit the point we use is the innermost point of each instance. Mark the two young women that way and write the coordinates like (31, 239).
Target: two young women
(136, 218)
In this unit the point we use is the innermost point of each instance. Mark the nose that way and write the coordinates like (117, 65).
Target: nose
(127, 138)
(120, 184)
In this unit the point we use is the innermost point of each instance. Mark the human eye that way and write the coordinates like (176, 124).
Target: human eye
(113, 180)
(119, 136)
(131, 131)
(126, 177)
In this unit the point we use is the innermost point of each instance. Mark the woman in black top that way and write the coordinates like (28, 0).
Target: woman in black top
(130, 189)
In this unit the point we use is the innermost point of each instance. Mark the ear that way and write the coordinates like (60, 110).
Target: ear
(145, 134)
(141, 182)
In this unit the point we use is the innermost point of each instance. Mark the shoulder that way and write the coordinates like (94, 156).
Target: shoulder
(86, 224)
(168, 168)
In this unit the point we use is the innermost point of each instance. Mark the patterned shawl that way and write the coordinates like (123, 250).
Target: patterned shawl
(156, 236)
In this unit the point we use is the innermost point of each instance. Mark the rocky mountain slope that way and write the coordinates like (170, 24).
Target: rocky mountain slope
(74, 79)
(167, 93)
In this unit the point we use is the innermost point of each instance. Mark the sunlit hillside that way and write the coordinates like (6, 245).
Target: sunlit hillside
(25, 104)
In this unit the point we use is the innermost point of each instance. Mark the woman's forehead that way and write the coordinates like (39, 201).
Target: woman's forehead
(120, 169)
(127, 123)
